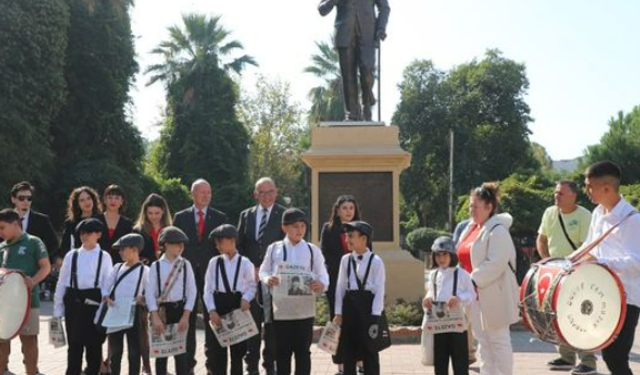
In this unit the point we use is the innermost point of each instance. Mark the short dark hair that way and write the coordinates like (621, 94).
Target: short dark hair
(115, 190)
(454, 259)
(604, 169)
(570, 184)
(9, 216)
(20, 186)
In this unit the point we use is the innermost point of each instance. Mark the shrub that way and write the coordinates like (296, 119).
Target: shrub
(421, 239)
(405, 313)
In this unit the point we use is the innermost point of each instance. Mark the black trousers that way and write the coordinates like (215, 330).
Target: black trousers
(616, 355)
(84, 337)
(352, 349)
(454, 346)
(208, 333)
(220, 358)
(116, 346)
(174, 313)
(293, 337)
(252, 358)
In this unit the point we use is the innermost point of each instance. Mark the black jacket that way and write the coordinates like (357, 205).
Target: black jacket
(331, 246)
(247, 242)
(69, 232)
(199, 252)
(41, 227)
(148, 252)
(125, 226)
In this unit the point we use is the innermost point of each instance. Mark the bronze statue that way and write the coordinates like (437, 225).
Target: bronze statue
(358, 32)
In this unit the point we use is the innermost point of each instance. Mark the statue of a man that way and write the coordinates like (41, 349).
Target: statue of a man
(358, 32)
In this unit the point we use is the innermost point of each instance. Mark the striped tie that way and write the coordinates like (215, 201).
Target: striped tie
(263, 225)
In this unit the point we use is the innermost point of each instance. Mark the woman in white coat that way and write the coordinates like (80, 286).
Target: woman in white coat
(486, 251)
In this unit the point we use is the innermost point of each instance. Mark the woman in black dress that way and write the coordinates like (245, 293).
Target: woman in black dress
(115, 224)
(333, 242)
(83, 203)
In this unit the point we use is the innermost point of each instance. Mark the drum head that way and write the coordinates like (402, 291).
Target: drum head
(589, 306)
(14, 304)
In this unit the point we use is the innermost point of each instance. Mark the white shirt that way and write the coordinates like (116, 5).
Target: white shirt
(620, 250)
(259, 213)
(374, 283)
(25, 220)
(86, 274)
(176, 293)
(128, 285)
(247, 284)
(196, 216)
(296, 255)
(444, 285)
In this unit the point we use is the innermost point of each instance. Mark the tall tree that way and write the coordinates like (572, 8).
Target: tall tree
(327, 101)
(483, 102)
(202, 136)
(621, 144)
(33, 41)
(278, 136)
(94, 140)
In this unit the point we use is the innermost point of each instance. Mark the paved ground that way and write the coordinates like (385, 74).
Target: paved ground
(530, 357)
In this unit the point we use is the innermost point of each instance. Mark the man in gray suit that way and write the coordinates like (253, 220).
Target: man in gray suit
(358, 32)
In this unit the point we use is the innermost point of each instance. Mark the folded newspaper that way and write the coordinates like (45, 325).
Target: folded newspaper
(330, 339)
(57, 337)
(119, 316)
(293, 298)
(169, 343)
(237, 326)
(442, 319)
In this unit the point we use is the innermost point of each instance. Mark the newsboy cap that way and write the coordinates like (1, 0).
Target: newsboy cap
(224, 231)
(444, 244)
(293, 215)
(130, 240)
(172, 235)
(90, 225)
(361, 226)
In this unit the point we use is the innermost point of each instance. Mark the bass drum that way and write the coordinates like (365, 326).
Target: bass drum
(15, 301)
(580, 305)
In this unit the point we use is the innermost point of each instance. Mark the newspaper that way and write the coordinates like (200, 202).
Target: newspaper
(443, 319)
(119, 316)
(237, 326)
(169, 343)
(57, 337)
(330, 339)
(293, 299)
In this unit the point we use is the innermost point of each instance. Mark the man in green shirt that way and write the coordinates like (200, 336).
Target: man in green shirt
(24, 252)
(563, 229)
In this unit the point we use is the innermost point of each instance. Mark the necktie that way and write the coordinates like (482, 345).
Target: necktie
(263, 225)
(200, 224)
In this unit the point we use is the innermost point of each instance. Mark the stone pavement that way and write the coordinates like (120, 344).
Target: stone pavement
(530, 357)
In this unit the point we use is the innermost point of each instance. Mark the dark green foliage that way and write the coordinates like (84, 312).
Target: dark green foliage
(484, 103)
(421, 239)
(33, 40)
(632, 194)
(327, 100)
(621, 144)
(404, 313)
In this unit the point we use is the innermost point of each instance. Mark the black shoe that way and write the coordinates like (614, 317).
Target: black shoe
(582, 369)
(271, 370)
(559, 364)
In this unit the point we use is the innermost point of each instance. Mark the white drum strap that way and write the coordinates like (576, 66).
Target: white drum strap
(578, 255)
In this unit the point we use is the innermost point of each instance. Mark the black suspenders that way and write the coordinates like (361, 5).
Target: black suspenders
(220, 269)
(284, 250)
(363, 283)
(73, 283)
(455, 284)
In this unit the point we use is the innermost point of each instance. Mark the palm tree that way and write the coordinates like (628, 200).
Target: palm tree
(327, 101)
(189, 52)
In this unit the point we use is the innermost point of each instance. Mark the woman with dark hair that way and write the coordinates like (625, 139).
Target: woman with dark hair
(83, 203)
(114, 223)
(486, 250)
(333, 243)
(154, 216)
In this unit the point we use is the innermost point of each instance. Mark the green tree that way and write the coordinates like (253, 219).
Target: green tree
(93, 138)
(483, 101)
(202, 136)
(278, 137)
(33, 41)
(621, 144)
(327, 101)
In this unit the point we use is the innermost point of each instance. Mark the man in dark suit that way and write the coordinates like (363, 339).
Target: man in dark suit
(358, 32)
(197, 222)
(259, 227)
(34, 223)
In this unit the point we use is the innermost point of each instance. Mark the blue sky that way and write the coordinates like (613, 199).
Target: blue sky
(582, 57)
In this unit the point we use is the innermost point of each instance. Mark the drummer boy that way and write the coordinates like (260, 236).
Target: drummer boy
(26, 253)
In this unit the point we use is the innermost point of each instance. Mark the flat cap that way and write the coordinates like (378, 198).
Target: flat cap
(90, 225)
(293, 215)
(361, 226)
(172, 235)
(444, 244)
(224, 231)
(130, 240)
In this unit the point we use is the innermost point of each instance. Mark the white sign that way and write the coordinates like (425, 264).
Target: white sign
(169, 343)
(236, 326)
(57, 337)
(119, 316)
(442, 318)
(330, 339)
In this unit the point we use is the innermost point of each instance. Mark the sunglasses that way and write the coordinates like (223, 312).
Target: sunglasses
(484, 193)
(23, 198)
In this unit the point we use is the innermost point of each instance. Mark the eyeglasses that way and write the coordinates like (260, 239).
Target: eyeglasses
(266, 193)
(23, 198)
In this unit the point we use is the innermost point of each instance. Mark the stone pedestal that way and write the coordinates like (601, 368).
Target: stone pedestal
(365, 160)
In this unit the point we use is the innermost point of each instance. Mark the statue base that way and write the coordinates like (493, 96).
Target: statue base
(351, 123)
